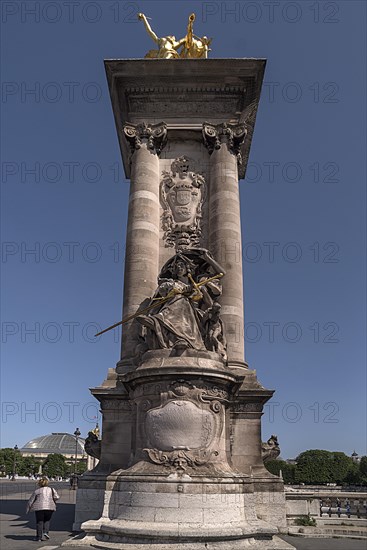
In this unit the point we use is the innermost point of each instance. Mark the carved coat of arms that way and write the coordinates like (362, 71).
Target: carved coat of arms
(182, 195)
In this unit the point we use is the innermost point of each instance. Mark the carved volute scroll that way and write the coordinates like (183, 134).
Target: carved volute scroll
(155, 135)
(232, 134)
(182, 196)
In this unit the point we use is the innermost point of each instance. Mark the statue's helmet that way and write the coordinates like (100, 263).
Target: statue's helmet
(198, 261)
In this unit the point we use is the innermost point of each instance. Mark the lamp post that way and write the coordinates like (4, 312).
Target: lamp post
(77, 434)
(14, 463)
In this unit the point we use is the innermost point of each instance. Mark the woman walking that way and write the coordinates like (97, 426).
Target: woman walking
(43, 502)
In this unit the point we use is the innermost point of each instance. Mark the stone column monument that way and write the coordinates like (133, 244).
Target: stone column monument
(181, 462)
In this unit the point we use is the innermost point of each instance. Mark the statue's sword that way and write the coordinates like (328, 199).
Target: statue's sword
(170, 295)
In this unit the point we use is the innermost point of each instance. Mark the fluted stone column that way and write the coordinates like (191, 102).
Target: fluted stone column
(223, 142)
(142, 238)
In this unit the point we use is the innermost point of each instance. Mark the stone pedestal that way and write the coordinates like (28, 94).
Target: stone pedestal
(181, 459)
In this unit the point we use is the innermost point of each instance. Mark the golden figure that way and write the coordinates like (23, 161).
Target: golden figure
(95, 431)
(168, 45)
(192, 46)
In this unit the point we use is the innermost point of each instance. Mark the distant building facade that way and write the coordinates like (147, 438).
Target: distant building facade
(60, 443)
(355, 457)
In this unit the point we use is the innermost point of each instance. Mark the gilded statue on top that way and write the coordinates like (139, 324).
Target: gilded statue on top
(188, 47)
(194, 47)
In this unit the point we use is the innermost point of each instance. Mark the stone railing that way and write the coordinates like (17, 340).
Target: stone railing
(325, 503)
(328, 488)
(346, 506)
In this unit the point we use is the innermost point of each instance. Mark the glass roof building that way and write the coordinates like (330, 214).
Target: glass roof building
(62, 443)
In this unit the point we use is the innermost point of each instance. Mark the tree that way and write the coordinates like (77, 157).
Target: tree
(363, 468)
(314, 466)
(28, 465)
(288, 470)
(341, 466)
(55, 465)
(319, 467)
(357, 474)
(362, 471)
(353, 476)
(81, 466)
(7, 456)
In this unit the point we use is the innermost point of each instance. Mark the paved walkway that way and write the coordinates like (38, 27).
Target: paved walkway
(18, 529)
(326, 544)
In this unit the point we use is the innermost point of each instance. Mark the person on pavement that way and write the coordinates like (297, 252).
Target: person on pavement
(43, 502)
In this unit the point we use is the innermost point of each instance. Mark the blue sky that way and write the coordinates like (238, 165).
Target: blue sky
(303, 209)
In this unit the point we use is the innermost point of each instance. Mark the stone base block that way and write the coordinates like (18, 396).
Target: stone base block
(231, 544)
(301, 504)
(271, 505)
(89, 499)
(189, 513)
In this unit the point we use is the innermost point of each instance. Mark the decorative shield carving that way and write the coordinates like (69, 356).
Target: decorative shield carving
(183, 430)
(182, 195)
(180, 425)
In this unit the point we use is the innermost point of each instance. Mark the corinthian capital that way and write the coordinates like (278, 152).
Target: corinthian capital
(154, 135)
(233, 135)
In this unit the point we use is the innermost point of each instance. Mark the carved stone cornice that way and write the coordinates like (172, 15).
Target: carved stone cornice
(233, 135)
(184, 88)
(249, 407)
(116, 404)
(154, 135)
(185, 95)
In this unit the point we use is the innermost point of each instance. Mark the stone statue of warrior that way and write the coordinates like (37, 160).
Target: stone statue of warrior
(184, 316)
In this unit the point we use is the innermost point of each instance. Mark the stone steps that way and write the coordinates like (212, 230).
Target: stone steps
(335, 531)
